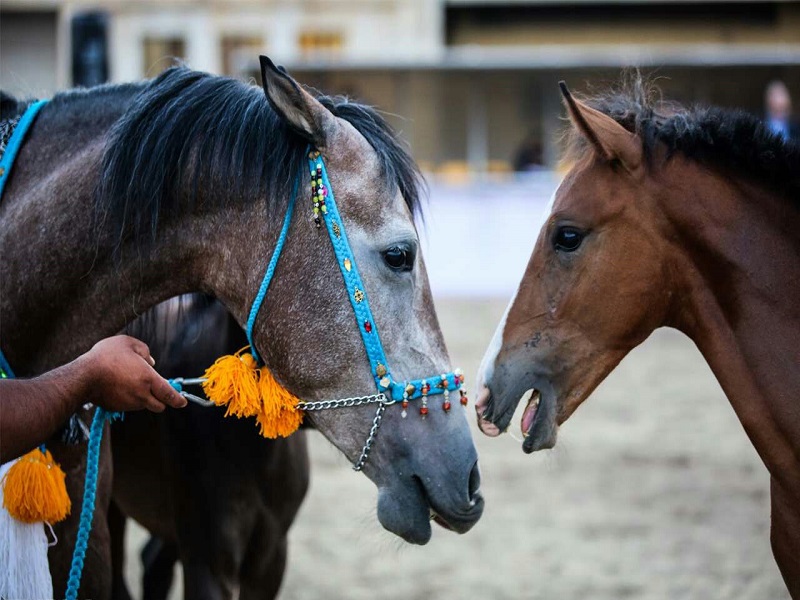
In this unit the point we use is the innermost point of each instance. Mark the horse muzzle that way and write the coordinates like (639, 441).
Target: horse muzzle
(500, 394)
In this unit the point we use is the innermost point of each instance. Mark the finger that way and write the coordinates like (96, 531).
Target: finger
(154, 405)
(164, 392)
(140, 348)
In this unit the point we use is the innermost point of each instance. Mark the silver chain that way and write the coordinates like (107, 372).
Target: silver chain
(344, 402)
(382, 402)
(376, 423)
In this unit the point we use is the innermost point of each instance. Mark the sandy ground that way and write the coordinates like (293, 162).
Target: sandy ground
(652, 492)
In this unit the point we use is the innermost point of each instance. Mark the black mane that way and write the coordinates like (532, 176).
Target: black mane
(732, 141)
(187, 132)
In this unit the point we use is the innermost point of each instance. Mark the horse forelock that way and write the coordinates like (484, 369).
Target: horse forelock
(191, 137)
(731, 141)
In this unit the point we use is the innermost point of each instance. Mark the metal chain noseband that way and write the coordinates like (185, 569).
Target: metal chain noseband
(382, 402)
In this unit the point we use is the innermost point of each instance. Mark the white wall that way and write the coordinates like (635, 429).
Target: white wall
(478, 237)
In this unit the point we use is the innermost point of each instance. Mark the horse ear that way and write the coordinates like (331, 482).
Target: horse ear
(297, 107)
(610, 139)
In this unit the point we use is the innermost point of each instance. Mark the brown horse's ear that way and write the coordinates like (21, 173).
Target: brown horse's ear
(610, 139)
(299, 109)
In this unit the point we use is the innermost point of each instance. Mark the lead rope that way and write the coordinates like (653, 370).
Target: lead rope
(89, 497)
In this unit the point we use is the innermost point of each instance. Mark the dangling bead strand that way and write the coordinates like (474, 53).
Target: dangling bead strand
(446, 392)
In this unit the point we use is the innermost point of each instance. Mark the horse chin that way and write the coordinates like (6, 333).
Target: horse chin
(405, 512)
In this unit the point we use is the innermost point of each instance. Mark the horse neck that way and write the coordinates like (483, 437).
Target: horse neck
(734, 270)
(62, 287)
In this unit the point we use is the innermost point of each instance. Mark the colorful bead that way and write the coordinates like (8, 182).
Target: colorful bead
(347, 265)
(410, 389)
(358, 296)
(380, 370)
(385, 382)
(336, 231)
(446, 406)
(367, 326)
(464, 399)
(426, 387)
(423, 410)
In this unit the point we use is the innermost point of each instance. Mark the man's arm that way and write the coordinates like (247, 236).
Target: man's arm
(117, 374)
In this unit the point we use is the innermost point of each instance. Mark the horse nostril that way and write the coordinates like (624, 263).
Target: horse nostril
(474, 481)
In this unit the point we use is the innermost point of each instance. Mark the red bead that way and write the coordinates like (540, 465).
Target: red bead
(446, 405)
(426, 387)
(464, 400)
(404, 403)
(423, 411)
(367, 326)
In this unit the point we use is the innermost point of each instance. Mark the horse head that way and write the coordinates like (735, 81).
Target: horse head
(592, 290)
(423, 465)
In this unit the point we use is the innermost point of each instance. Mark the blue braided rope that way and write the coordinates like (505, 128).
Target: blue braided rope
(89, 497)
(352, 279)
(273, 263)
(15, 142)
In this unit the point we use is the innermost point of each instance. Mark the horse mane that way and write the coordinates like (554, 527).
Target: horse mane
(732, 141)
(188, 132)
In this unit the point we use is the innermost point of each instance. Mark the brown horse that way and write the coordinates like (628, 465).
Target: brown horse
(678, 218)
(125, 196)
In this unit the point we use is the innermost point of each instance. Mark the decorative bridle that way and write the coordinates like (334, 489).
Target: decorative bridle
(389, 391)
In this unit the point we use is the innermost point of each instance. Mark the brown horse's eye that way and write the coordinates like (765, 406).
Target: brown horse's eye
(399, 257)
(568, 239)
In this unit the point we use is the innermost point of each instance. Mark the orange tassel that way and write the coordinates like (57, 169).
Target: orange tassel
(249, 391)
(233, 381)
(279, 415)
(34, 490)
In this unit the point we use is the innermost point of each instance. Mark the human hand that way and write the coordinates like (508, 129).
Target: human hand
(119, 376)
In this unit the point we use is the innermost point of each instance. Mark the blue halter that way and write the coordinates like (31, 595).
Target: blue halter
(325, 209)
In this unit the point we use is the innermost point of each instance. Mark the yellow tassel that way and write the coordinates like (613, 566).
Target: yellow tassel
(279, 415)
(34, 490)
(233, 381)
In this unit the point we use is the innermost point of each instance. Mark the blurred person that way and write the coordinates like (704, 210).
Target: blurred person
(778, 104)
(116, 374)
(529, 155)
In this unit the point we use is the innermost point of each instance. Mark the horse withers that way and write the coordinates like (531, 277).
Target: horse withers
(124, 196)
(679, 218)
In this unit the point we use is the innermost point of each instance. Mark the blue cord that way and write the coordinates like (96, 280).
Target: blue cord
(273, 262)
(89, 497)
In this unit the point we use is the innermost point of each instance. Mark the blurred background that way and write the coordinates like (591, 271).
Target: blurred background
(654, 490)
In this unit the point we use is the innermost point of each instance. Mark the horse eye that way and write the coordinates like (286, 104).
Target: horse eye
(399, 258)
(568, 239)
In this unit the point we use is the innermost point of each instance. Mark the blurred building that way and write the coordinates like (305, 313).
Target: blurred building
(474, 81)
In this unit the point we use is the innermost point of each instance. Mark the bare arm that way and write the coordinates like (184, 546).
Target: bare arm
(117, 374)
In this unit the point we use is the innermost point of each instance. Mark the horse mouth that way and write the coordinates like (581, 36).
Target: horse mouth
(538, 421)
(531, 412)
(436, 518)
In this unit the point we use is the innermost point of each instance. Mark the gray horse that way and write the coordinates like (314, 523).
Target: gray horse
(125, 196)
